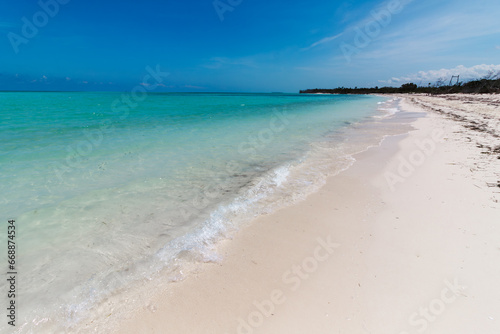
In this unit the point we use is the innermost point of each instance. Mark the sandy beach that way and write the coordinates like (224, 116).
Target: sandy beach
(407, 240)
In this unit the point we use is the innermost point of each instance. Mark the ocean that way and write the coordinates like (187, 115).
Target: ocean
(107, 195)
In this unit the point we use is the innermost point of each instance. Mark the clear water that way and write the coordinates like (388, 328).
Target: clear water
(105, 198)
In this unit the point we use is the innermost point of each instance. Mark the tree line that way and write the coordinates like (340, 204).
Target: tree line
(486, 85)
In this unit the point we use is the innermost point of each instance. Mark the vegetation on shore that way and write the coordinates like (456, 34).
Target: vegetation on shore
(487, 85)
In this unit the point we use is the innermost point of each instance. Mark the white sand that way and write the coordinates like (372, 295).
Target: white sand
(417, 254)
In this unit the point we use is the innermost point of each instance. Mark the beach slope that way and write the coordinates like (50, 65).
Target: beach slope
(407, 240)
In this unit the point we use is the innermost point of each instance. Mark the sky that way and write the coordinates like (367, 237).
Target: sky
(243, 45)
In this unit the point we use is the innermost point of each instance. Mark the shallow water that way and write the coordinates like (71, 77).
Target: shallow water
(104, 199)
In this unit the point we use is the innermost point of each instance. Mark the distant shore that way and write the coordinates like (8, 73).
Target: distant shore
(482, 86)
(405, 240)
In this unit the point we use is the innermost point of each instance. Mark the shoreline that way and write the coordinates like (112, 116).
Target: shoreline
(356, 255)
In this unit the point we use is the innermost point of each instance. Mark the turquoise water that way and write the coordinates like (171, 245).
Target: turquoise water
(107, 194)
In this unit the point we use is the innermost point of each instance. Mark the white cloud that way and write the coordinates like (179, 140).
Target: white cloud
(322, 41)
(497, 47)
(383, 6)
(466, 73)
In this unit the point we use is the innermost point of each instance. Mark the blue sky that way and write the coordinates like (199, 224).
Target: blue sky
(244, 45)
